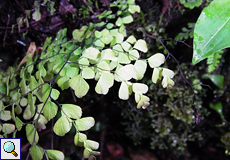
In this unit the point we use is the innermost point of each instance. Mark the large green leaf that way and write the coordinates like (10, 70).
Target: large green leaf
(212, 31)
(218, 108)
(217, 79)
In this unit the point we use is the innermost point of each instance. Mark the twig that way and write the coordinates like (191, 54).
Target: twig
(4, 39)
(171, 39)
(20, 6)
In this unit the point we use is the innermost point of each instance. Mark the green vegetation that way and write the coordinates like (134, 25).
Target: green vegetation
(120, 48)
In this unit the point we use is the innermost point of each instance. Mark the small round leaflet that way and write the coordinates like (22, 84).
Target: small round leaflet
(9, 148)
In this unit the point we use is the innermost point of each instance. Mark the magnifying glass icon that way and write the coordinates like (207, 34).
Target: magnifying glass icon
(9, 147)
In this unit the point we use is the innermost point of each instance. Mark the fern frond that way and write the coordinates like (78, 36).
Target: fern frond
(213, 60)
(187, 32)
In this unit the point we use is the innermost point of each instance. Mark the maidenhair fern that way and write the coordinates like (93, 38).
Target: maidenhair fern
(101, 51)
